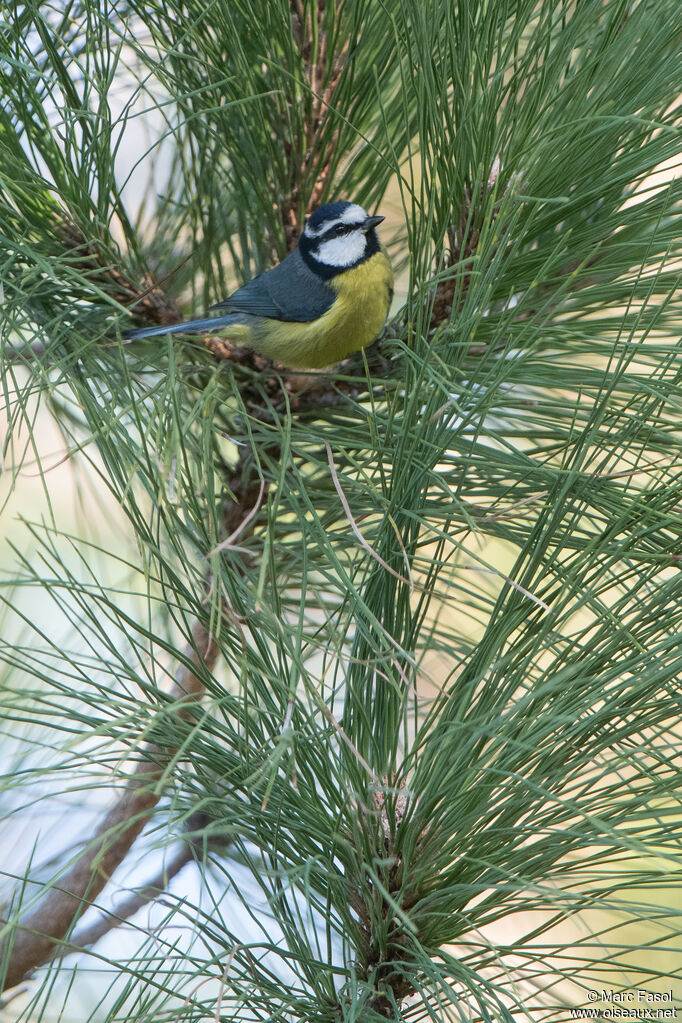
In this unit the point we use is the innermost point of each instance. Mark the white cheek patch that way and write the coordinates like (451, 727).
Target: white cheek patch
(342, 251)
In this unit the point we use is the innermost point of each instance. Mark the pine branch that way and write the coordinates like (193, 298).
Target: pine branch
(39, 934)
(312, 42)
(148, 300)
(150, 892)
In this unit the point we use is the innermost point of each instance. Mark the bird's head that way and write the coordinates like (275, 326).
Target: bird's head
(337, 237)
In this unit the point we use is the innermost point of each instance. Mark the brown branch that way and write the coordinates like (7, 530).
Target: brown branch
(88, 936)
(149, 300)
(40, 933)
(462, 242)
(24, 354)
(320, 83)
(386, 962)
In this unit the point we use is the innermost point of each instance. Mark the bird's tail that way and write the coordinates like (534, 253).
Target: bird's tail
(208, 324)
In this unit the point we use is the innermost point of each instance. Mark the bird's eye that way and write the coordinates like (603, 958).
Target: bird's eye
(339, 230)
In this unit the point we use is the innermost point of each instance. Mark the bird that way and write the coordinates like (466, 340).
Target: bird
(327, 299)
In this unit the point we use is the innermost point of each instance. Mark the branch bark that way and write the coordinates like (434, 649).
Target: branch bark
(307, 151)
(88, 936)
(41, 932)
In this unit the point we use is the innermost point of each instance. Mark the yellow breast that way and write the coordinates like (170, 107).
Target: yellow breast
(357, 316)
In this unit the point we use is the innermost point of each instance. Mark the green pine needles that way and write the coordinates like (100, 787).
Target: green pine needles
(386, 660)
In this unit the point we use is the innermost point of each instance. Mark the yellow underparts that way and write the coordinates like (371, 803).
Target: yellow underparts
(356, 318)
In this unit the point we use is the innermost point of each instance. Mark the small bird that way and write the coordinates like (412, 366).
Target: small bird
(328, 298)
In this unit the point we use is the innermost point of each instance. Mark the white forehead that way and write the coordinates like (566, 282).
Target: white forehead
(353, 214)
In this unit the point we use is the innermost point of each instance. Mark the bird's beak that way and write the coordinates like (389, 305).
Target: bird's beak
(371, 222)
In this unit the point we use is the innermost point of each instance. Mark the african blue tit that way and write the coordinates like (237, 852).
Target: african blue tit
(328, 298)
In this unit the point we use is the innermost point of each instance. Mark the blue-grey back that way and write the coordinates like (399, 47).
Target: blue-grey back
(290, 291)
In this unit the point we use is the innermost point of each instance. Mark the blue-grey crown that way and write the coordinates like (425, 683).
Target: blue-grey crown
(330, 211)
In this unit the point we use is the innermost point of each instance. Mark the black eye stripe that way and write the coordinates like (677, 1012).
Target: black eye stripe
(339, 229)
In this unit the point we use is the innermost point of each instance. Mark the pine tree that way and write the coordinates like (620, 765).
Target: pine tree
(386, 659)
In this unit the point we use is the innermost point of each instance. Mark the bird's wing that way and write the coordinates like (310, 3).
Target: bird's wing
(290, 291)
